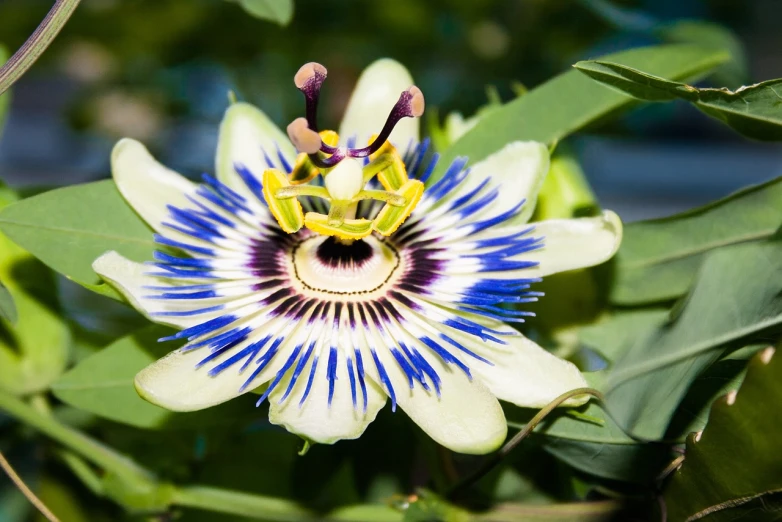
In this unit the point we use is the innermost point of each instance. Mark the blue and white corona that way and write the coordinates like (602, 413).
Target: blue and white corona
(333, 273)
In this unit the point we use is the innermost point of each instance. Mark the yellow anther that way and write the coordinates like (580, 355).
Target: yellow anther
(303, 170)
(394, 175)
(288, 211)
(390, 217)
(349, 230)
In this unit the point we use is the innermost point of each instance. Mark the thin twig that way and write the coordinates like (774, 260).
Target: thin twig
(27, 492)
(520, 436)
(37, 43)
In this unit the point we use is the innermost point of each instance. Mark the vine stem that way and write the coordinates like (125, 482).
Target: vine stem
(26, 491)
(100, 455)
(37, 43)
(520, 436)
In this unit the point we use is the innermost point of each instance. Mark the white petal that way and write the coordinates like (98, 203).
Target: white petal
(574, 243)
(518, 171)
(128, 278)
(245, 134)
(177, 383)
(147, 185)
(466, 417)
(523, 373)
(515, 173)
(376, 92)
(316, 419)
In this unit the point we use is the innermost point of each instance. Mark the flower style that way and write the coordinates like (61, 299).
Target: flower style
(331, 281)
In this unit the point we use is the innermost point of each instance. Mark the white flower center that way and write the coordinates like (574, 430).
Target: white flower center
(360, 270)
(346, 180)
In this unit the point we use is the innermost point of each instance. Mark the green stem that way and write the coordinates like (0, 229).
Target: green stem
(520, 436)
(37, 43)
(100, 455)
(242, 504)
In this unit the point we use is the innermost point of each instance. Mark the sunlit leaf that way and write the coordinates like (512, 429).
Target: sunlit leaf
(34, 349)
(69, 228)
(613, 335)
(7, 306)
(570, 102)
(731, 471)
(658, 259)
(755, 111)
(103, 384)
(278, 11)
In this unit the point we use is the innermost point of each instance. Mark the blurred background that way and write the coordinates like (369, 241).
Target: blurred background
(160, 71)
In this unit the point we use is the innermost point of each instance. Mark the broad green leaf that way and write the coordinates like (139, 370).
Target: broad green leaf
(570, 102)
(7, 306)
(738, 293)
(658, 259)
(103, 384)
(278, 11)
(718, 379)
(732, 468)
(754, 111)
(614, 334)
(34, 349)
(577, 441)
(636, 83)
(69, 228)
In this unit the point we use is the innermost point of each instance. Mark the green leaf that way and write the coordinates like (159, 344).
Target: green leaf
(636, 83)
(7, 307)
(278, 11)
(658, 259)
(613, 335)
(570, 102)
(754, 111)
(103, 384)
(34, 349)
(576, 442)
(69, 228)
(718, 379)
(733, 468)
(738, 293)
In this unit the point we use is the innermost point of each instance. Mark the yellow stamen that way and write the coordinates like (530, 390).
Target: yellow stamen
(391, 217)
(288, 211)
(349, 230)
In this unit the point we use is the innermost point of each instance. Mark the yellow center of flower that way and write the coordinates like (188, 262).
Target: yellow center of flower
(345, 172)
